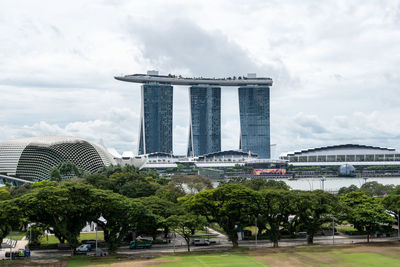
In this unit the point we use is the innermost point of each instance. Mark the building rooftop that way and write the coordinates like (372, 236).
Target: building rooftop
(153, 77)
(349, 147)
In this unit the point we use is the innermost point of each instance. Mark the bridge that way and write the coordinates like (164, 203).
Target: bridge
(13, 180)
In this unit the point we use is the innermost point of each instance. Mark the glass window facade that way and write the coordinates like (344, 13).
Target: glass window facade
(255, 120)
(205, 120)
(156, 119)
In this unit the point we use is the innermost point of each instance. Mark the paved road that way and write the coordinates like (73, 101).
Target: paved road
(221, 245)
(260, 244)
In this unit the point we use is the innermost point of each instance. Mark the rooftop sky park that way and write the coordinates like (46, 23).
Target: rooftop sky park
(204, 137)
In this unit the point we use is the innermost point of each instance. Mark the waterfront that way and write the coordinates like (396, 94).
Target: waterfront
(335, 183)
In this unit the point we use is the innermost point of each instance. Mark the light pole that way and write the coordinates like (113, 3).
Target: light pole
(30, 236)
(174, 240)
(96, 238)
(309, 185)
(333, 230)
(398, 225)
(11, 244)
(322, 183)
(256, 232)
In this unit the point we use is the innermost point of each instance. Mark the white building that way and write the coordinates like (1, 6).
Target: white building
(338, 154)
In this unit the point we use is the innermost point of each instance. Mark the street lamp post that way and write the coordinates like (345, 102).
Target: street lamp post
(96, 238)
(30, 235)
(11, 244)
(256, 232)
(398, 224)
(174, 240)
(333, 230)
(322, 183)
(309, 185)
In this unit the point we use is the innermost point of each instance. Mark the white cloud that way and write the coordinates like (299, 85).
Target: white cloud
(334, 66)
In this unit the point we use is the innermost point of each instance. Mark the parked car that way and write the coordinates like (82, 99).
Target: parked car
(141, 243)
(201, 242)
(83, 249)
(21, 253)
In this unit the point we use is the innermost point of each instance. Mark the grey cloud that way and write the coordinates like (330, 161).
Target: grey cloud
(311, 122)
(182, 44)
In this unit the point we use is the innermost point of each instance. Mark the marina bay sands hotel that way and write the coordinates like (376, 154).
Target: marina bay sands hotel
(155, 133)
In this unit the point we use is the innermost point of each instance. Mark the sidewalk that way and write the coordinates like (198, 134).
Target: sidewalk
(19, 244)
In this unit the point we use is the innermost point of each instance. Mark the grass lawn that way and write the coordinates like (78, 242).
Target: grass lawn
(359, 255)
(223, 259)
(51, 239)
(374, 255)
(346, 229)
(78, 261)
(16, 235)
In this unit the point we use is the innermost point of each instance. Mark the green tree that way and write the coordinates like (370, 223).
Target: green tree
(229, 206)
(119, 215)
(392, 205)
(186, 224)
(98, 180)
(274, 208)
(4, 194)
(171, 192)
(364, 212)
(162, 209)
(376, 189)
(65, 170)
(133, 185)
(345, 190)
(65, 208)
(17, 191)
(258, 183)
(262, 183)
(11, 217)
(34, 233)
(195, 183)
(313, 209)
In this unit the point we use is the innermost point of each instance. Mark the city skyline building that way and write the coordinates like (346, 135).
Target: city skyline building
(155, 130)
(205, 120)
(254, 112)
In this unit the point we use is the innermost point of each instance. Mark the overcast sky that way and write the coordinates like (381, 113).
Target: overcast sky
(335, 67)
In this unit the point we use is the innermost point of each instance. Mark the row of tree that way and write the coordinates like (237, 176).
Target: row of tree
(125, 201)
(288, 211)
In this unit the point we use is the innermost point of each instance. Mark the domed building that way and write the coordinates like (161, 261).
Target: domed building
(347, 170)
(32, 158)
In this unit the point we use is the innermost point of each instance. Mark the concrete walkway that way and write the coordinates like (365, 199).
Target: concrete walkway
(20, 244)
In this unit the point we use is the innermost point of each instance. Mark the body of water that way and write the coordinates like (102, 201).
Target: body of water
(335, 183)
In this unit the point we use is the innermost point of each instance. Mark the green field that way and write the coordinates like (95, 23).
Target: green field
(376, 255)
(16, 235)
(51, 239)
(358, 256)
(224, 259)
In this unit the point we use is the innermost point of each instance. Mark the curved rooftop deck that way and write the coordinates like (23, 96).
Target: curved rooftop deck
(179, 80)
